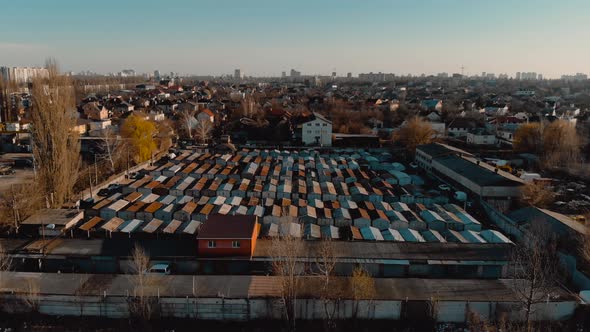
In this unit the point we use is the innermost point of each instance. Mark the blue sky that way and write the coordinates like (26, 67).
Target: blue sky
(264, 37)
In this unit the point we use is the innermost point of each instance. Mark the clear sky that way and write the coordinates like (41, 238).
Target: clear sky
(265, 37)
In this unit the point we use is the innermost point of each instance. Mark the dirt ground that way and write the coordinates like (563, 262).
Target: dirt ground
(20, 176)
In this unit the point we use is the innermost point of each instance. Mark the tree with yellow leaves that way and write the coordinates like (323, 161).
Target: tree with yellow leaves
(140, 134)
(528, 138)
(561, 143)
(416, 132)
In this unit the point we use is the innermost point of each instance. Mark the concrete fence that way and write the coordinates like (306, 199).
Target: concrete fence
(247, 309)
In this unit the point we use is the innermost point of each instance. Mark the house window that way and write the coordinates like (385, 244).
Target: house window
(325, 124)
(212, 244)
(309, 124)
(235, 244)
(309, 131)
(317, 124)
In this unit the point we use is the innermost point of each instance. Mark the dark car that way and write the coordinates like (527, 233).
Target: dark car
(104, 192)
(114, 188)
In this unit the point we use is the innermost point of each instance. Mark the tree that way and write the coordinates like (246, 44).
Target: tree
(561, 143)
(31, 298)
(7, 107)
(5, 263)
(330, 292)
(416, 132)
(362, 287)
(286, 252)
(112, 148)
(528, 138)
(142, 304)
(56, 147)
(140, 134)
(537, 194)
(17, 204)
(203, 130)
(535, 273)
(187, 121)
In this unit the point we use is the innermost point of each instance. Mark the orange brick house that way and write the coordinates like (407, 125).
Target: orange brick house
(228, 236)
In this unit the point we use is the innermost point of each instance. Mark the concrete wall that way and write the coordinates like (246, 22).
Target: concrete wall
(270, 308)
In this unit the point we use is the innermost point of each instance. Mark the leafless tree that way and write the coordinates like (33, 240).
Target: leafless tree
(187, 120)
(248, 106)
(32, 296)
(535, 269)
(203, 130)
(537, 194)
(5, 264)
(142, 304)
(561, 144)
(17, 204)
(286, 252)
(56, 147)
(7, 107)
(330, 292)
(113, 148)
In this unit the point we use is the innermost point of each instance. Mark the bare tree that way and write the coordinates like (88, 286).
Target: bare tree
(112, 147)
(248, 106)
(362, 287)
(187, 120)
(32, 296)
(54, 139)
(7, 107)
(330, 292)
(17, 204)
(286, 252)
(142, 304)
(203, 130)
(5, 264)
(537, 194)
(535, 269)
(561, 143)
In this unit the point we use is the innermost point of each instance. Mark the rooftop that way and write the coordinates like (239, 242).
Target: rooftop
(228, 227)
(61, 217)
(476, 173)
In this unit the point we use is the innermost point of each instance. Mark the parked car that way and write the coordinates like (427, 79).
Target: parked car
(413, 165)
(114, 188)
(444, 187)
(104, 192)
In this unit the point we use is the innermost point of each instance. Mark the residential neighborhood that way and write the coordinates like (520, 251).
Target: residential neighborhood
(360, 166)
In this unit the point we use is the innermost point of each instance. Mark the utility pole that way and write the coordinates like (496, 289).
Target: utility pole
(127, 175)
(14, 209)
(95, 171)
(90, 182)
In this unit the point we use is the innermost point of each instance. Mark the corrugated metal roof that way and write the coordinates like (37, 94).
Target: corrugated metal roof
(113, 224)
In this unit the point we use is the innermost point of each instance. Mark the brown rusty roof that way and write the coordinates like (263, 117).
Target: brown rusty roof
(228, 227)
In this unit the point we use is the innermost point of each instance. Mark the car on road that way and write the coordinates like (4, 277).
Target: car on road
(413, 165)
(135, 175)
(444, 187)
(114, 187)
(104, 192)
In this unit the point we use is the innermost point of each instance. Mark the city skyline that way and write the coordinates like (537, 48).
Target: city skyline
(264, 38)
